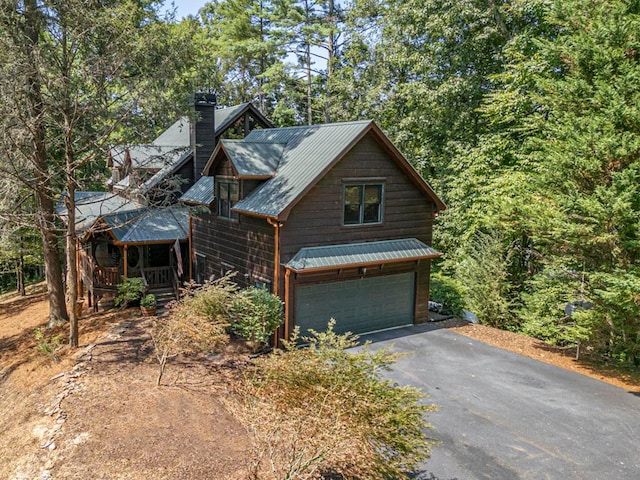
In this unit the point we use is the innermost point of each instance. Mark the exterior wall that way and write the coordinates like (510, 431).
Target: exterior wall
(317, 220)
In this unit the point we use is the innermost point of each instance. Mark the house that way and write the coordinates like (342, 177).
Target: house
(331, 218)
(138, 229)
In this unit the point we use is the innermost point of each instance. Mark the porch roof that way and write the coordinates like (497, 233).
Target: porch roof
(151, 225)
(360, 254)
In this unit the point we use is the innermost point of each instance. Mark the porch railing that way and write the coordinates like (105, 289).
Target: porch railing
(158, 277)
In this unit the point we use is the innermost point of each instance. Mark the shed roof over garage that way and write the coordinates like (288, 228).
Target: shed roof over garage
(360, 254)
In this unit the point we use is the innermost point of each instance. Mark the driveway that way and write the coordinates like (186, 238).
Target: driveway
(505, 416)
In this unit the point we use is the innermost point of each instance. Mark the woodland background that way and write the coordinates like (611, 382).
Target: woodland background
(523, 115)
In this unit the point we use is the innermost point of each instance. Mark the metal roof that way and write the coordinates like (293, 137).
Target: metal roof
(359, 254)
(177, 135)
(151, 157)
(92, 205)
(200, 193)
(149, 225)
(307, 152)
(253, 159)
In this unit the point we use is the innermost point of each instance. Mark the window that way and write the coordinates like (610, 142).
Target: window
(362, 204)
(227, 196)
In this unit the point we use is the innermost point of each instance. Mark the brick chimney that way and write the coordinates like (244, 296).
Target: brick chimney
(203, 133)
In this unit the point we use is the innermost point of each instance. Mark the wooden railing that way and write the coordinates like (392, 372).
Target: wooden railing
(158, 277)
(106, 277)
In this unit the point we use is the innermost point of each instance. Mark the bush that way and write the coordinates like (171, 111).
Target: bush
(257, 314)
(197, 323)
(449, 292)
(148, 301)
(130, 291)
(323, 412)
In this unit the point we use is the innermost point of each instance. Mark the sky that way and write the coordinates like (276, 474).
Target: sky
(185, 7)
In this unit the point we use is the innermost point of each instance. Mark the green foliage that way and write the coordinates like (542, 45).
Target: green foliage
(543, 316)
(130, 291)
(148, 301)
(48, 344)
(257, 313)
(484, 274)
(447, 291)
(616, 315)
(323, 411)
(197, 323)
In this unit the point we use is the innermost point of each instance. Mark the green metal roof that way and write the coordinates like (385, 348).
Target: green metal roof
(307, 152)
(92, 205)
(200, 193)
(358, 254)
(149, 225)
(253, 159)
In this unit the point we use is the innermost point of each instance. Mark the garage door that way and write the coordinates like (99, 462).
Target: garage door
(359, 306)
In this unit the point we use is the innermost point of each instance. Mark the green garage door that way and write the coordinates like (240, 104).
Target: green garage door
(359, 306)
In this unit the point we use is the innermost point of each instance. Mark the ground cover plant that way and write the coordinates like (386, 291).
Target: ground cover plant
(325, 412)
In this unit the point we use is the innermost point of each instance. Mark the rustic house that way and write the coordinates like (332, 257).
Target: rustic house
(332, 218)
(138, 229)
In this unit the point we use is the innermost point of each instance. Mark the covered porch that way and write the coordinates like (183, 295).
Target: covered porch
(151, 244)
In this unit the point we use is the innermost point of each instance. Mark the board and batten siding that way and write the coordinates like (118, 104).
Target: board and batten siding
(318, 218)
(247, 245)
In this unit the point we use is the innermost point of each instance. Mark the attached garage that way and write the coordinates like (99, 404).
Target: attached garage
(359, 305)
(364, 286)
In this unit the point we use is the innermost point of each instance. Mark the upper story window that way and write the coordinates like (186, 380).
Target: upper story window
(362, 204)
(227, 194)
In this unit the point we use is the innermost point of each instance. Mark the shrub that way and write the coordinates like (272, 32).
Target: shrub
(257, 314)
(447, 291)
(148, 301)
(130, 291)
(323, 412)
(197, 323)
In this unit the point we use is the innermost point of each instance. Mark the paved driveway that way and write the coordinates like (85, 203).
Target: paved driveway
(505, 416)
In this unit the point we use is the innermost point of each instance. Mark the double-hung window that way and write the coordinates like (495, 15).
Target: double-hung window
(227, 196)
(363, 203)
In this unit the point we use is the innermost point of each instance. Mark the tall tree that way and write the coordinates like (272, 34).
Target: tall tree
(73, 72)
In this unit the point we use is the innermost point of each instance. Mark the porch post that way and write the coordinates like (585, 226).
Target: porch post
(126, 260)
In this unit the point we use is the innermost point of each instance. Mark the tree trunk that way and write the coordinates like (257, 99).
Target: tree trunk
(44, 202)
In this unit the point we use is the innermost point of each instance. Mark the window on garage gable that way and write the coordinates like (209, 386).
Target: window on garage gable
(363, 203)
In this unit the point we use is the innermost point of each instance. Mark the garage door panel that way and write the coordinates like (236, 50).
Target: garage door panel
(360, 305)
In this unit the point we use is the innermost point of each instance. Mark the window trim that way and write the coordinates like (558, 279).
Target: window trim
(363, 183)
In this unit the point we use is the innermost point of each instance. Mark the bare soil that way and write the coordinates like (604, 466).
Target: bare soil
(95, 412)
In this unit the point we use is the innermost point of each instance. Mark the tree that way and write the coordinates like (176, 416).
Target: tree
(72, 73)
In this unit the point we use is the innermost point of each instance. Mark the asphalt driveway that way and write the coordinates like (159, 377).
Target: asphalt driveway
(505, 416)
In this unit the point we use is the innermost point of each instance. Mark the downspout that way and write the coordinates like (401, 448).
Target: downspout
(190, 247)
(276, 266)
(287, 274)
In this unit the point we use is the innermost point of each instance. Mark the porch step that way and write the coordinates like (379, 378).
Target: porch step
(163, 296)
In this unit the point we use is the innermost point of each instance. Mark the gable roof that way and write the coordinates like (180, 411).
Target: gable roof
(149, 225)
(308, 152)
(92, 205)
(253, 160)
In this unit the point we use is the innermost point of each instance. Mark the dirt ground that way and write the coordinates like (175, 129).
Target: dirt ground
(96, 412)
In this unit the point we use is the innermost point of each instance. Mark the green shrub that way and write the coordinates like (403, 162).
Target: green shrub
(48, 344)
(324, 412)
(148, 301)
(130, 291)
(447, 291)
(257, 314)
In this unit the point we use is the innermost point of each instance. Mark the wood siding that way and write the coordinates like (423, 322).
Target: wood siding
(317, 218)
(247, 245)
